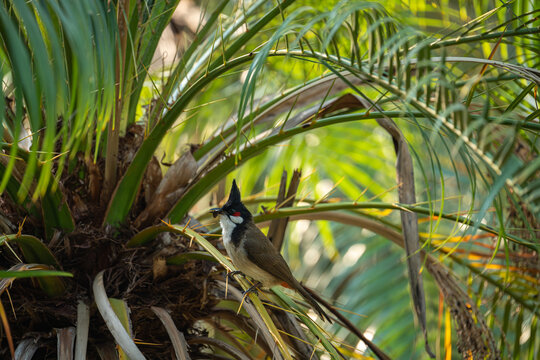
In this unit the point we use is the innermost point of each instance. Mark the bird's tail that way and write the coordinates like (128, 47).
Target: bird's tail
(307, 294)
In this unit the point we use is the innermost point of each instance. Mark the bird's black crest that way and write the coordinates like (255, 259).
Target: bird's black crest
(235, 203)
(234, 197)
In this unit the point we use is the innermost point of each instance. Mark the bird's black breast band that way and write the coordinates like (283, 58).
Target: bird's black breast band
(238, 233)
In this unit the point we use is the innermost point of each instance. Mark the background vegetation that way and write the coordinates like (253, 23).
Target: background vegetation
(103, 137)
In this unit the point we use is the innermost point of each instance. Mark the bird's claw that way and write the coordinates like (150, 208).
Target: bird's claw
(253, 289)
(232, 273)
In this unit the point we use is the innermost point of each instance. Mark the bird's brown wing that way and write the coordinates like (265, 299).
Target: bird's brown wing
(263, 253)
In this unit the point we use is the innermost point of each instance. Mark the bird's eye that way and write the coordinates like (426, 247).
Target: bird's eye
(236, 213)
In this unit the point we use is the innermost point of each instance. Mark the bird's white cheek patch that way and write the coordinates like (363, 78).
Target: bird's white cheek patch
(236, 219)
(228, 223)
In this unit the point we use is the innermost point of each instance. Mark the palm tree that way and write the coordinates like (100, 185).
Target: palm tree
(110, 166)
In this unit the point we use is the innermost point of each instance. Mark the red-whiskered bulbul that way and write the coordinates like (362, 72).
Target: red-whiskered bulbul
(252, 252)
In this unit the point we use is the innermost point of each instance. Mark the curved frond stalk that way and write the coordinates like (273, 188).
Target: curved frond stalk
(177, 338)
(112, 321)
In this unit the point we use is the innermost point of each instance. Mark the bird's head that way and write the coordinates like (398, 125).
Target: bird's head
(233, 210)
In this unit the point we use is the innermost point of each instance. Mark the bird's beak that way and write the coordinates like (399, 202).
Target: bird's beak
(216, 211)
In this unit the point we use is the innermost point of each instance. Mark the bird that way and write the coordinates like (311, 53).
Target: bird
(253, 254)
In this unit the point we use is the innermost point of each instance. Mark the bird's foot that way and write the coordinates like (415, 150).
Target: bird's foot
(253, 289)
(232, 273)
